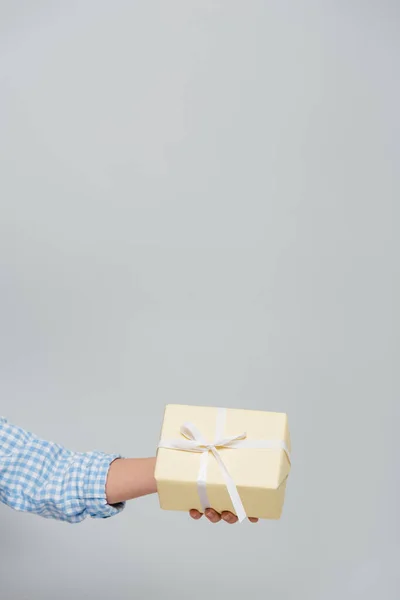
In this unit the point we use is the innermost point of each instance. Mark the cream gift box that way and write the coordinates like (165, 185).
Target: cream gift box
(228, 459)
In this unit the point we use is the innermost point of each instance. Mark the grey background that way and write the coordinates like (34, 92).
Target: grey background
(198, 205)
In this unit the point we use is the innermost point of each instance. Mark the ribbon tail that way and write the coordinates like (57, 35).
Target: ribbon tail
(232, 489)
(202, 482)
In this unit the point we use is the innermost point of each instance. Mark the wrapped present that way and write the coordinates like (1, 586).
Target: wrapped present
(226, 459)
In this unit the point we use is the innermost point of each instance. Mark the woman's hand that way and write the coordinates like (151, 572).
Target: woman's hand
(130, 478)
(213, 516)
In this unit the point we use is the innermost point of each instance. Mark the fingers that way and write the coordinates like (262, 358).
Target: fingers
(195, 514)
(228, 517)
(213, 516)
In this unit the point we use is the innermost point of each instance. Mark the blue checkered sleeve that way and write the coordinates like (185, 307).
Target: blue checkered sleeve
(44, 478)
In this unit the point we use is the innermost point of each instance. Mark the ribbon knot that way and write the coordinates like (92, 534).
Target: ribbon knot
(191, 433)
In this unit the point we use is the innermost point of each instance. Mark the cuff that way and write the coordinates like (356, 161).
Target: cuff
(94, 486)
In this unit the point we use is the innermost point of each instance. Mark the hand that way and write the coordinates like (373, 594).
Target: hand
(213, 516)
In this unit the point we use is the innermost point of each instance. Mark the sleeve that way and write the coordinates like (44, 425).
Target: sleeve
(44, 478)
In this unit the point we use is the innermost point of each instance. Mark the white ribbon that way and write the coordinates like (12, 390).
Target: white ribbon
(194, 442)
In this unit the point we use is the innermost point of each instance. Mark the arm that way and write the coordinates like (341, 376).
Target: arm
(130, 478)
(44, 478)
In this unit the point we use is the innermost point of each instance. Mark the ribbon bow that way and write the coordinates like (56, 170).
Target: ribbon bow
(195, 442)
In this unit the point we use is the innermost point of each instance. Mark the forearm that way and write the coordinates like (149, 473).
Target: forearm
(130, 478)
(44, 478)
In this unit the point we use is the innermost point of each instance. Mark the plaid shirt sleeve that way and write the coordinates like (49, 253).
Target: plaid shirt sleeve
(44, 478)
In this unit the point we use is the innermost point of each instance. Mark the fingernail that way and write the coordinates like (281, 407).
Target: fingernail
(227, 518)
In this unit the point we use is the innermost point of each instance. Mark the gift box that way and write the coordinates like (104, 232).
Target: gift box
(226, 459)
